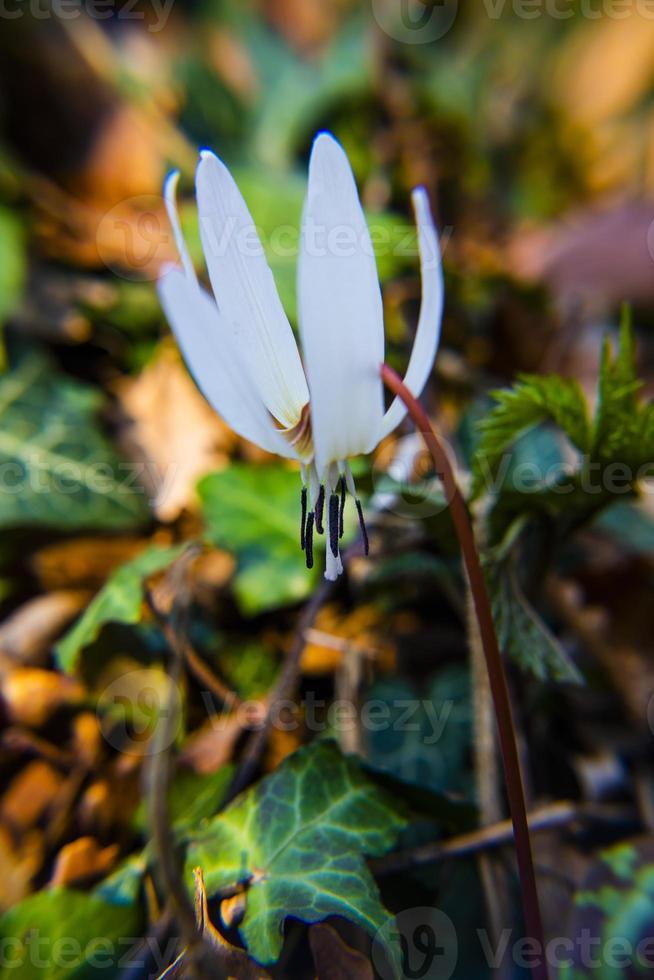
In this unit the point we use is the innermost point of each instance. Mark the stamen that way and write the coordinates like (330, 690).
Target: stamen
(362, 525)
(320, 503)
(303, 523)
(341, 511)
(333, 523)
(308, 543)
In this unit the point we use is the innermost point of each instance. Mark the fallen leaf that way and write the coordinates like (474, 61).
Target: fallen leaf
(26, 635)
(334, 633)
(171, 432)
(18, 865)
(29, 795)
(599, 256)
(334, 959)
(83, 562)
(81, 861)
(31, 695)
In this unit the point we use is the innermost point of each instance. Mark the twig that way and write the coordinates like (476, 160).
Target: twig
(282, 691)
(494, 664)
(495, 835)
(201, 671)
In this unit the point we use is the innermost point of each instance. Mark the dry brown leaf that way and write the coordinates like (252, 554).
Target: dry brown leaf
(31, 695)
(83, 562)
(81, 861)
(171, 431)
(307, 24)
(605, 67)
(26, 635)
(87, 739)
(232, 63)
(599, 256)
(29, 795)
(209, 748)
(18, 865)
(334, 959)
(333, 634)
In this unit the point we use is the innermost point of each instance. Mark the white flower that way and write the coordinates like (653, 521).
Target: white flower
(241, 349)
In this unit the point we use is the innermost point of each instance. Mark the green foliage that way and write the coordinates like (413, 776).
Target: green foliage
(616, 903)
(13, 262)
(254, 512)
(613, 448)
(299, 838)
(58, 469)
(62, 933)
(426, 740)
(533, 400)
(522, 634)
(119, 601)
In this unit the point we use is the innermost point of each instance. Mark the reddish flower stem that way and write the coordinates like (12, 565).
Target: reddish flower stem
(496, 675)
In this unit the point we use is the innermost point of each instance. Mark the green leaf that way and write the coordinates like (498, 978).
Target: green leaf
(57, 468)
(13, 261)
(533, 400)
(616, 902)
(61, 933)
(523, 636)
(299, 838)
(616, 422)
(254, 512)
(118, 601)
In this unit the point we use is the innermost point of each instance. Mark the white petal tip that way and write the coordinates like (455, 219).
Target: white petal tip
(206, 153)
(331, 576)
(170, 185)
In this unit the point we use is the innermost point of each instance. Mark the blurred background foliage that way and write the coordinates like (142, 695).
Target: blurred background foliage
(534, 136)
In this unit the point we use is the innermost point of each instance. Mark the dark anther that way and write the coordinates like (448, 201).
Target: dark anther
(333, 523)
(362, 525)
(308, 540)
(341, 511)
(320, 503)
(303, 523)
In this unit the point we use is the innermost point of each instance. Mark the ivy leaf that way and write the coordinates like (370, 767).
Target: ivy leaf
(119, 601)
(254, 512)
(57, 468)
(616, 900)
(62, 933)
(13, 263)
(298, 840)
(533, 400)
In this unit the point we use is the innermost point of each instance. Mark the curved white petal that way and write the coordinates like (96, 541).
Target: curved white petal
(245, 291)
(340, 310)
(428, 331)
(215, 359)
(170, 199)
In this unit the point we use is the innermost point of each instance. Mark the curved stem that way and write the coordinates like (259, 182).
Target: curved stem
(496, 676)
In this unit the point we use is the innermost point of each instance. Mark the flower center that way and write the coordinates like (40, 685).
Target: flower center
(300, 436)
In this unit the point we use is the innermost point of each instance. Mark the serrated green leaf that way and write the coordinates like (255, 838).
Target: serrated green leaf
(531, 401)
(56, 467)
(119, 601)
(522, 634)
(61, 933)
(254, 512)
(299, 838)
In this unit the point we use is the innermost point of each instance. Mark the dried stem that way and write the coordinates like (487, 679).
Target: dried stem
(494, 664)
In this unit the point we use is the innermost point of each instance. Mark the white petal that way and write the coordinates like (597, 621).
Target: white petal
(246, 293)
(216, 361)
(170, 198)
(340, 309)
(428, 331)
